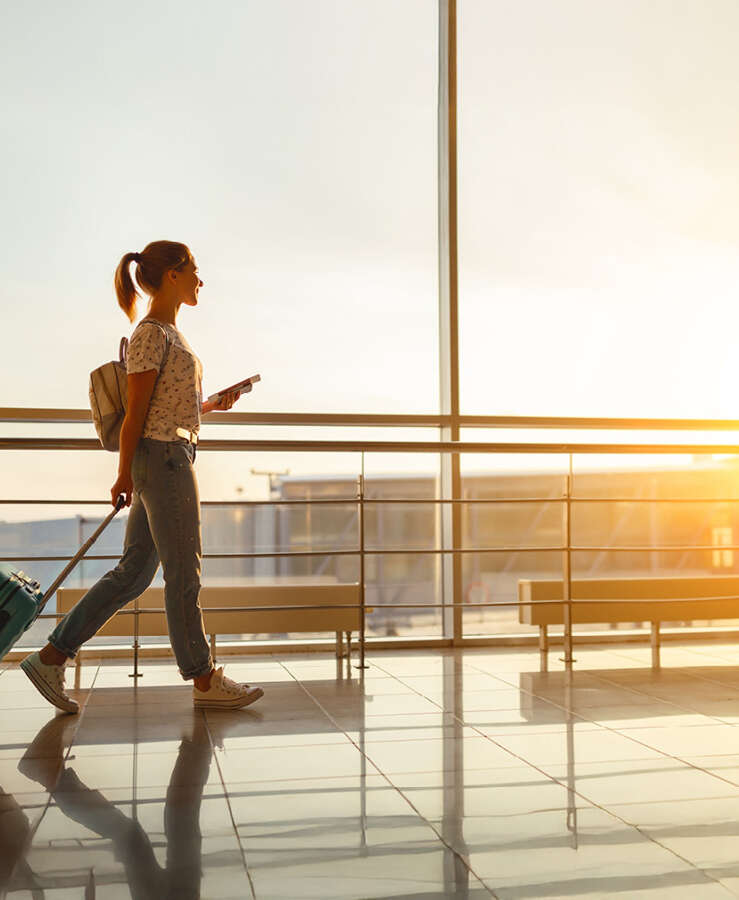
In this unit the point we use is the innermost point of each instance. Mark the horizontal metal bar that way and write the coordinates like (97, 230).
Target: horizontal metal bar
(309, 501)
(276, 554)
(318, 606)
(503, 603)
(408, 551)
(467, 447)
(662, 548)
(373, 420)
(407, 501)
(344, 501)
(352, 501)
(377, 606)
(423, 420)
(512, 500)
(301, 553)
(696, 600)
(577, 423)
(654, 499)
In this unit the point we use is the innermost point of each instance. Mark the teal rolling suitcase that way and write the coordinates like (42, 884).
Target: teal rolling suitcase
(21, 599)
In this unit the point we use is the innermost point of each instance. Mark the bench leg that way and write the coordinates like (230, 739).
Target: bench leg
(339, 645)
(655, 645)
(213, 648)
(349, 645)
(78, 670)
(543, 649)
(543, 639)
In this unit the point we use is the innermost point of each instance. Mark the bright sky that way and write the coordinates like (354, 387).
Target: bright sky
(292, 144)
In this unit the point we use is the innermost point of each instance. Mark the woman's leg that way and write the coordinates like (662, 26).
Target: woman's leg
(172, 503)
(130, 578)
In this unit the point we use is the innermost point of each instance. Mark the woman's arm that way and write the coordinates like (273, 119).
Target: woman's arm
(140, 389)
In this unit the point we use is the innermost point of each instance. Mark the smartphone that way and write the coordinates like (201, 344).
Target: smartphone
(241, 387)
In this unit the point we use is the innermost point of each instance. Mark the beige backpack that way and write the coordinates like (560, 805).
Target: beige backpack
(109, 393)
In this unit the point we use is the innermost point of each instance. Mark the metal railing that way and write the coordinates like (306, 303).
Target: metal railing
(569, 449)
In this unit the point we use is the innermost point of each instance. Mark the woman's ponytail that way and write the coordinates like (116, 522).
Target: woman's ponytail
(124, 287)
(151, 264)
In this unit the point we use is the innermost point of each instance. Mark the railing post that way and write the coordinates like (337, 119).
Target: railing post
(362, 588)
(450, 462)
(135, 673)
(567, 567)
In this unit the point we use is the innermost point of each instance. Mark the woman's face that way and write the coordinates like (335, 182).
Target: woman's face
(190, 283)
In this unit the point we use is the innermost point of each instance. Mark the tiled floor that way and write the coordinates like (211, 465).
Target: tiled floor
(432, 774)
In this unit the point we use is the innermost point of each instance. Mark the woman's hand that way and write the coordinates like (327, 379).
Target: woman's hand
(226, 401)
(123, 485)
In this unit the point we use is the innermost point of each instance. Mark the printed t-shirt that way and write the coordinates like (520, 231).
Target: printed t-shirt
(176, 399)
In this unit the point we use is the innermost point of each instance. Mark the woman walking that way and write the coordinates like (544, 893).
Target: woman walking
(155, 474)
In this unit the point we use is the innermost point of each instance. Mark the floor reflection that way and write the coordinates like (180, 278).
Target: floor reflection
(462, 774)
(179, 876)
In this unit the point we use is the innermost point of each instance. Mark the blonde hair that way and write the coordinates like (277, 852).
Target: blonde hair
(154, 260)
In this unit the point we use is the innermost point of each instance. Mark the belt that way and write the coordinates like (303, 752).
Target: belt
(190, 436)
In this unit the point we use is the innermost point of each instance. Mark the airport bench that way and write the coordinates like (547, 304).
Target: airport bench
(615, 600)
(342, 619)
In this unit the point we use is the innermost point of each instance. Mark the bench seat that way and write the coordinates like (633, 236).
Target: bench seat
(220, 620)
(615, 600)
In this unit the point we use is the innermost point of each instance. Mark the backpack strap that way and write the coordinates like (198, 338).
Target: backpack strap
(166, 342)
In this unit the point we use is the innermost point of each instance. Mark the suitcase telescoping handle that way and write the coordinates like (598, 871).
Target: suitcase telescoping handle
(119, 504)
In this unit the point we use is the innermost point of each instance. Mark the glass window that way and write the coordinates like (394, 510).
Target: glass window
(598, 193)
(291, 145)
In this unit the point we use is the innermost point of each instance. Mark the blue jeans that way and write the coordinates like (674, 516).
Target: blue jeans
(163, 525)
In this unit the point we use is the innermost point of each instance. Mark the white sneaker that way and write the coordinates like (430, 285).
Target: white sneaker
(49, 682)
(224, 693)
